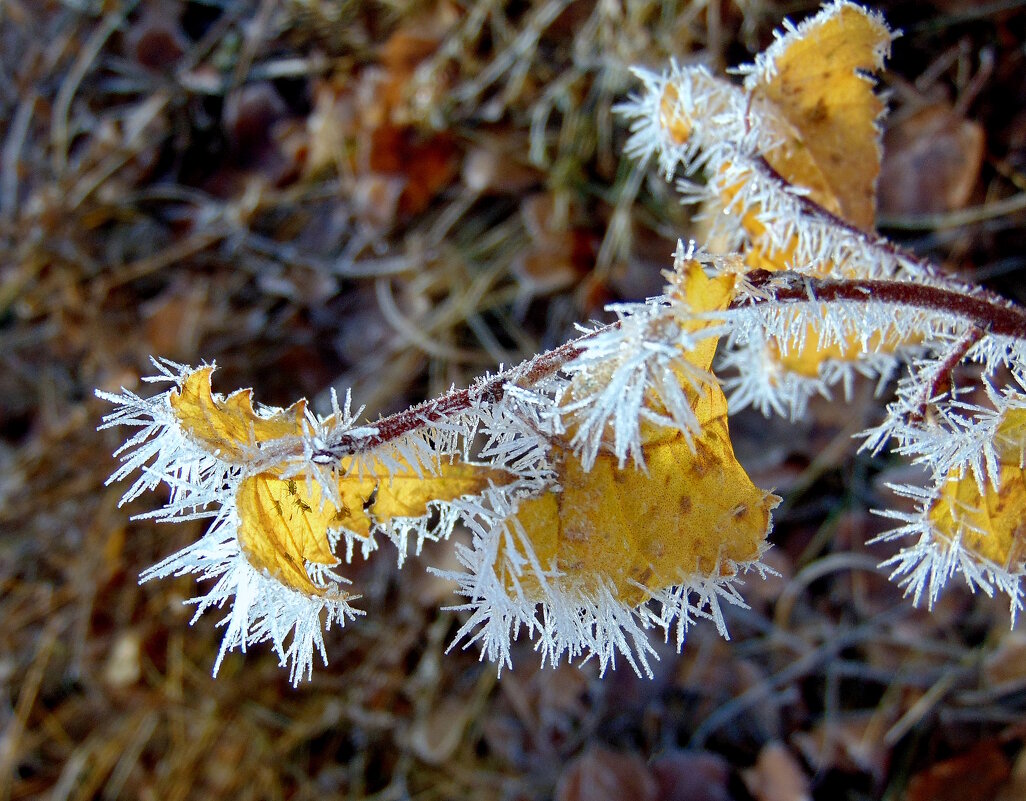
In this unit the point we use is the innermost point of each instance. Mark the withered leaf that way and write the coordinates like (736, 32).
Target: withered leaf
(284, 522)
(819, 84)
(692, 510)
(229, 426)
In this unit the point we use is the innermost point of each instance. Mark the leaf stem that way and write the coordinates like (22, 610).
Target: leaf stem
(944, 372)
(487, 391)
(871, 240)
(990, 313)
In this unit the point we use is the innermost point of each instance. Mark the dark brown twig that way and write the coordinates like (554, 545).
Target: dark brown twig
(944, 372)
(991, 314)
(489, 391)
(986, 314)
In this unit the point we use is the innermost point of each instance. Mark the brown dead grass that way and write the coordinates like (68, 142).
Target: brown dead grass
(395, 197)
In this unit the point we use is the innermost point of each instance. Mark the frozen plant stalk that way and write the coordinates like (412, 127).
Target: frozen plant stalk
(598, 480)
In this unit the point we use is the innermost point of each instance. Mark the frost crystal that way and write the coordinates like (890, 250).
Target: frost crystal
(202, 485)
(926, 566)
(577, 617)
(806, 303)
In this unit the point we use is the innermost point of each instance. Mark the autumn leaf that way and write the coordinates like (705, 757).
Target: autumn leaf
(229, 427)
(817, 80)
(690, 510)
(980, 772)
(812, 88)
(814, 84)
(812, 96)
(989, 522)
(701, 293)
(284, 523)
(805, 360)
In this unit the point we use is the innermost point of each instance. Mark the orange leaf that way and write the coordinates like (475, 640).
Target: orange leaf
(977, 773)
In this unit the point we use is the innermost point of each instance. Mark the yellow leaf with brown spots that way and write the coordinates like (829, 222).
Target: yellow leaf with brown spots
(284, 523)
(814, 85)
(691, 511)
(817, 80)
(990, 524)
(229, 426)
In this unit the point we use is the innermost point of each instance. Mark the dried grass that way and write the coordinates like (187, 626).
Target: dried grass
(396, 196)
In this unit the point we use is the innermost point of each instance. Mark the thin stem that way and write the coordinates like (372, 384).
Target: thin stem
(869, 239)
(944, 372)
(989, 313)
(489, 391)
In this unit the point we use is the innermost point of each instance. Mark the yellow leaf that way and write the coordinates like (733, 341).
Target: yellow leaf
(229, 426)
(640, 531)
(806, 360)
(405, 493)
(672, 121)
(817, 81)
(691, 510)
(815, 84)
(282, 526)
(1010, 437)
(284, 523)
(989, 524)
(812, 88)
(702, 294)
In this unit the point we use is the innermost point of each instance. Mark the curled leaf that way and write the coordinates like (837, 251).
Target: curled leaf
(288, 524)
(283, 526)
(817, 79)
(815, 83)
(228, 427)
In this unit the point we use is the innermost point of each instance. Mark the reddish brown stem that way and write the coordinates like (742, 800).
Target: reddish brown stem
(944, 372)
(984, 312)
(989, 313)
(870, 239)
(489, 391)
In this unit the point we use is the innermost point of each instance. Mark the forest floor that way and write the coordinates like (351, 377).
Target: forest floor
(397, 196)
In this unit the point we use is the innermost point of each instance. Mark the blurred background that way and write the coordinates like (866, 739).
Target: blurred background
(396, 196)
